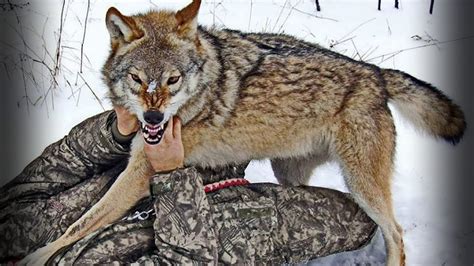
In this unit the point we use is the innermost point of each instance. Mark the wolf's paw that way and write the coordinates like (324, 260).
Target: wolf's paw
(39, 257)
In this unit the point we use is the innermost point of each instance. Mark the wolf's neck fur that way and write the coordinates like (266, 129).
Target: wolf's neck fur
(221, 77)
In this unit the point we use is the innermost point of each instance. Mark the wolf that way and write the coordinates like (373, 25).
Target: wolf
(244, 96)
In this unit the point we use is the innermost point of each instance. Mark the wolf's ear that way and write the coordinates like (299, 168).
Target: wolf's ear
(187, 19)
(122, 29)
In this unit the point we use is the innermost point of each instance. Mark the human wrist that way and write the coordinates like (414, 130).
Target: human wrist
(165, 169)
(118, 136)
(127, 123)
(125, 129)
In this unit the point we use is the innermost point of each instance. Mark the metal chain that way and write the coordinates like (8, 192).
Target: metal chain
(140, 215)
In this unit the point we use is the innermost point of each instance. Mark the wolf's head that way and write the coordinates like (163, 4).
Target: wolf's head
(153, 67)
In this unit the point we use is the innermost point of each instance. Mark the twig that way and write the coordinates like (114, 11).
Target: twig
(151, 2)
(431, 6)
(431, 39)
(266, 26)
(24, 84)
(214, 16)
(93, 92)
(279, 15)
(21, 35)
(388, 26)
(58, 48)
(79, 94)
(356, 50)
(356, 28)
(21, 56)
(84, 35)
(37, 100)
(314, 16)
(250, 16)
(6, 70)
(286, 19)
(392, 54)
(369, 52)
(9, 6)
(332, 45)
(308, 30)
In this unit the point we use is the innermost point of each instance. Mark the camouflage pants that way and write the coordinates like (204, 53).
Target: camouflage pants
(257, 223)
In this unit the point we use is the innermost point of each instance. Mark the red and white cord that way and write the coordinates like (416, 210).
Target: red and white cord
(225, 183)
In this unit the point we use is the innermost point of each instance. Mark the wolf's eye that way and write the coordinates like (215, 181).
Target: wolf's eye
(136, 78)
(173, 80)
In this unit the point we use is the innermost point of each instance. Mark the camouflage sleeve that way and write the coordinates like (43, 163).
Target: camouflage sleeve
(184, 233)
(54, 190)
(88, 149)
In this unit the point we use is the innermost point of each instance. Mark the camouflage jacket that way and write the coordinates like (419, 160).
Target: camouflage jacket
(180, 224)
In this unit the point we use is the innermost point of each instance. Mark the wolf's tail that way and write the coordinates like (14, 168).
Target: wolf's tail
(426, 106)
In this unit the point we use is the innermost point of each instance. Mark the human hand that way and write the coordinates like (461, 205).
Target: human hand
(127, 123)
(168, 154)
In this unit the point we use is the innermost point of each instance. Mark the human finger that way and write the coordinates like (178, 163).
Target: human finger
(168, 135)
(177, 128)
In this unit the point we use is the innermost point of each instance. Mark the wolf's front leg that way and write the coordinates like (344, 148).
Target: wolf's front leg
(131, 186)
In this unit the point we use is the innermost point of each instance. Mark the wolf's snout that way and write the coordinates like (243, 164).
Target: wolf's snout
(153, 117)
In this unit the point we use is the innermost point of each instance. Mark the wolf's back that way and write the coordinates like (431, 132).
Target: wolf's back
(426, 106)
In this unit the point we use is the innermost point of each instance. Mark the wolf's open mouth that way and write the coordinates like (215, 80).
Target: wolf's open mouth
(153, 133)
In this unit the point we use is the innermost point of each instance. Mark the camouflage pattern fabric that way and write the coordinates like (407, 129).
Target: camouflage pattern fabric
(253, 224)
(59, 186)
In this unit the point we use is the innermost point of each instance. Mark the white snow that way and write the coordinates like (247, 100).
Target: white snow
(354, 28)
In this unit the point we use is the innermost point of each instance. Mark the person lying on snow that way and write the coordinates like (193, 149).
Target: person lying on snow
(192, 215)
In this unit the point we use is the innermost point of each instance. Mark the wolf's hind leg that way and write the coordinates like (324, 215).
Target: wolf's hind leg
(365, 150)
(297, 170)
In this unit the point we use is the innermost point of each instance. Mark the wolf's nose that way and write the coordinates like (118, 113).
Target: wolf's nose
(153, 117)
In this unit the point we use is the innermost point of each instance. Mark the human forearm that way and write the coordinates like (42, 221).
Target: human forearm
(88, 149)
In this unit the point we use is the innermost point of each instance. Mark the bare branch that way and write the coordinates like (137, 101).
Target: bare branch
(314, 16)
(279, 15)
(84, 35)
(356, 50)
(58, 48)
(93, 92)
(286, 19)
(356, 28)
(388, 27)
(250, 16)
(388, 56)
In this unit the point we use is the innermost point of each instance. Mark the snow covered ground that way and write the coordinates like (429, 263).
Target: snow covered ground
(408, 39)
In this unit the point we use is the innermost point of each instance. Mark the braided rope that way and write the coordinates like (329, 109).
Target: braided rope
(225, 183)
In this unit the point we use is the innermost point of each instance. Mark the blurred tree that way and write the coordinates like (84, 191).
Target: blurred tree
(318, 7)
